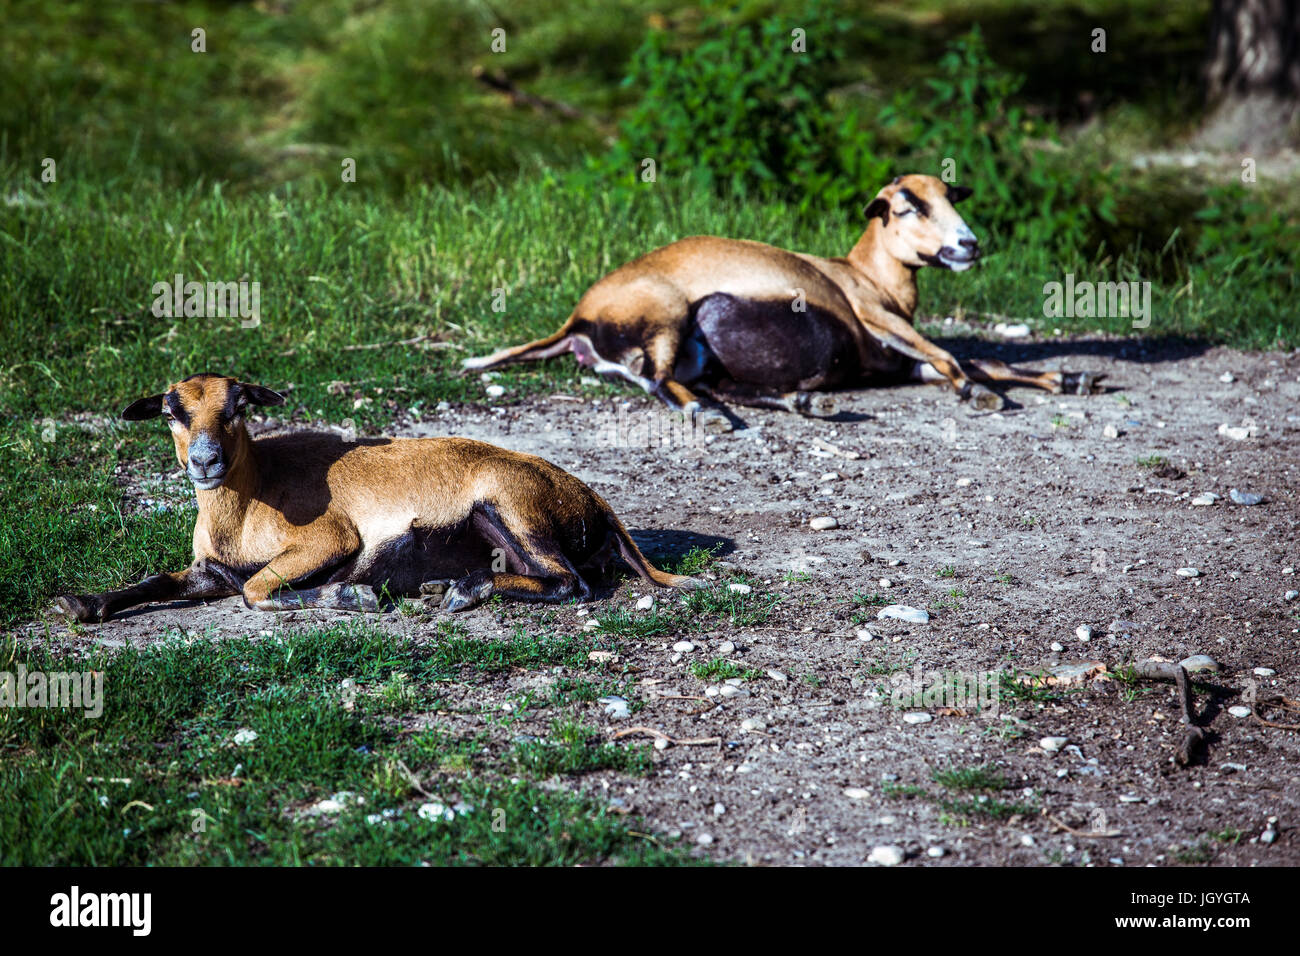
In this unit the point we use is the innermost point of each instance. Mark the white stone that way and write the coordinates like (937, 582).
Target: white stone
(1239, 711)
(777, 676)
(646, 603)
(751, 724)
(1265, 672)
(918, 717)
(935, 852)
(683, 647)
(901, 612)
(887, 856)
(824, 523)
(856, 793)
(615, 707)
(1053, 744)
(1083, 632)
(1188, 573)
(1200, 664)
(738, 588)
(495, 391)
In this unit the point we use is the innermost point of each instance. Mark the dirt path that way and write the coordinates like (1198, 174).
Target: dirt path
(1045, 525)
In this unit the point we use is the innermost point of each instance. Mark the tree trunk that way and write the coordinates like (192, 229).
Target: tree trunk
(1252, 74)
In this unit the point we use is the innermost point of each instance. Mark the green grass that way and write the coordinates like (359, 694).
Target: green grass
(967, 795)
(699, 610)
(720, 669)
(192, 796)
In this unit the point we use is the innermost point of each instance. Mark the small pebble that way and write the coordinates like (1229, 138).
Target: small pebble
(1188, 572)
(902, 612)
(864, 635)
(1083, 632)
(1265, 672)
(495, 391)
(646, 603)
(824, 523)
(1058, 646)
(726, 647)
(887, 855)
(1208, 498)
(719, 809)
(935, 852)
(704, 839)
(1110, 431)
(1244, 497)
(1200, 664)
(615, 707)
(683, 647)
(1239, 711)
(919, 717)
(738, 588)
(1291, 595)
(1227, 378)
(1053, 744)
(777, 676)
(856, 793)
(752, 723)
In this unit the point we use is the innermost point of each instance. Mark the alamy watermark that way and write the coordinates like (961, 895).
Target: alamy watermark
(1086, 300)
(82, 690)
(976, 692)
(650, 428)
(210, 300)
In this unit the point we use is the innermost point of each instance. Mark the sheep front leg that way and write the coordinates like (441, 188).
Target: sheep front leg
(205, 578)
(270, 589)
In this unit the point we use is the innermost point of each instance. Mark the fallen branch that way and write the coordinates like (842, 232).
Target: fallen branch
(696, 741)
(498, 81)
(1281, 703)
(1193, 744)
(1086, 834)
(413, 341)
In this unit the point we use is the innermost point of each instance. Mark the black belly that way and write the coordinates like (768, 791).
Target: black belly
(768, 343)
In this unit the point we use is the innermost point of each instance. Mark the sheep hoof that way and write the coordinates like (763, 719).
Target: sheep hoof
(434, 590)
(357, 597)
(465, 594)
(712, 421)
(984, 399)
(813, 404)
(84, 610)
(1083, 383)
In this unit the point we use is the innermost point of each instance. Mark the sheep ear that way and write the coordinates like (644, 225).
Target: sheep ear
(260, 395)
(957, 193)
(143, 408)
(878, 207)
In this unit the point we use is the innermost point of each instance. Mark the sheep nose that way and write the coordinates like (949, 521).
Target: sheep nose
(203, 459)
(971, 243)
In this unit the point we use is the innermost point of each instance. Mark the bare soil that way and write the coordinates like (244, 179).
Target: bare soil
(1012, 529)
